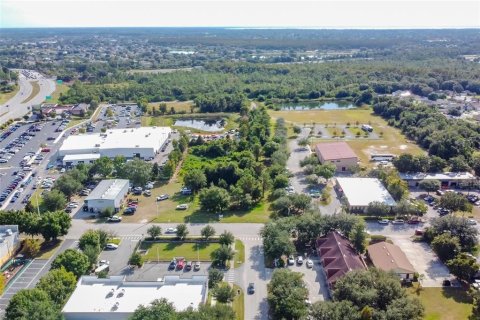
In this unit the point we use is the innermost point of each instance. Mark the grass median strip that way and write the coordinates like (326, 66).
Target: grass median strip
(35, 91)
(240, 253)
(237, 304)
(169, 250)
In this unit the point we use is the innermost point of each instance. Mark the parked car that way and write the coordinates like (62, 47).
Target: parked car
(186, 191)
(309, 263)
(299, 260)
(172, 265)
(171, 230)
(384, 221)
(130, 210)
(291, 261)
(149, 185)
(196, 266)
(162, 197)
(188, 266)
(147, 193)
(398, 221)
(251, 288)
(414, 221)
(111, 246)
(180, 263)
(114, 219)
(471, 222)
(182, 206)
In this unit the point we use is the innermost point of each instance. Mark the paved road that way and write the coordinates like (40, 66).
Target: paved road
(297, 154)
(16, 107)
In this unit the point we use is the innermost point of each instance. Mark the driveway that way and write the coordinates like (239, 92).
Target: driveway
(119, 258)
(297, 154)
(424, 261)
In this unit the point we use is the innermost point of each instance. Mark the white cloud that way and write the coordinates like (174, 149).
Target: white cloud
(248, 13)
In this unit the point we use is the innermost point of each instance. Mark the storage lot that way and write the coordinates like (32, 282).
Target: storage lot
(424, 261)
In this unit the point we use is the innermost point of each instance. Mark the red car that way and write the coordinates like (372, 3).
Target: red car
(45, 150)
(180, 263)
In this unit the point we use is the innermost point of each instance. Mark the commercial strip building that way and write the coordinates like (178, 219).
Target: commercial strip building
(447, 179)
(9, 242)
(337, 257)
(143, 142)
(338, 153)
(115, 298)
(108, 194)
(73, 159)
(360, 192)
(389, 257)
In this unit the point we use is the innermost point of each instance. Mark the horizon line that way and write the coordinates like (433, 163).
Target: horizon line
(253, 27)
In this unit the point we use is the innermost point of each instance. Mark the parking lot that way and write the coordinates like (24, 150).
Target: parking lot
(154, 271)
(424, 261)
(118, 258)
(314, 279)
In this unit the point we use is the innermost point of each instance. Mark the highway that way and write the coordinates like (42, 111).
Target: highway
(16, 107)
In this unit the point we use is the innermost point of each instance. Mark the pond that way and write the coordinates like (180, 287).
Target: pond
(210, 125)
(325, 105)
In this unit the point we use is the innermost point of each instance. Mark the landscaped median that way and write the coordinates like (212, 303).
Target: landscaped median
(167, 249)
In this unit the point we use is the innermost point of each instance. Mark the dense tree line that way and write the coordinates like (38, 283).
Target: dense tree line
(442, 137)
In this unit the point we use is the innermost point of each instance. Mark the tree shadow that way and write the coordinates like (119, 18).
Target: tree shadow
(459, 295)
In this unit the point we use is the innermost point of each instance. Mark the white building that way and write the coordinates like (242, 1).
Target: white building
(116, 299)
(447, 179)
(71, 160)
(9, 242)
(144, 142)
(359, 192)
(108, 194)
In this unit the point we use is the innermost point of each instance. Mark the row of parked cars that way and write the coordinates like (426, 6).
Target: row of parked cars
(181, 264)
(9, 131)
(15, 146)
(62, 125)
(11, 188)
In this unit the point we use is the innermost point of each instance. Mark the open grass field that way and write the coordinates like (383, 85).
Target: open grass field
(237, 304)
(59, 90)
(240, 253)
(35, 91)
(179, 106)
(149, 210)
(168, 251)
(148, 121)
(4, 97)
(392, 140)
(444, 303)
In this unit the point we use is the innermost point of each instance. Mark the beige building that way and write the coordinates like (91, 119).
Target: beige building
(389, 257)
(338, 153)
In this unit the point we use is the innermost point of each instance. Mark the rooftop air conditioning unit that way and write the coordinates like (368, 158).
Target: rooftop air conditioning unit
(8, 232)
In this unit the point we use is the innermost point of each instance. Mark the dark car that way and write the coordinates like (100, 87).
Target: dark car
(130, 210)
(50, 138)
(172, 265)
(251, 288)
(188, 266)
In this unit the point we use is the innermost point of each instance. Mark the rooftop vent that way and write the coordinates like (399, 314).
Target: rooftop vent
(8, 232)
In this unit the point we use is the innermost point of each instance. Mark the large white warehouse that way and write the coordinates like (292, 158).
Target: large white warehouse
(143, 142)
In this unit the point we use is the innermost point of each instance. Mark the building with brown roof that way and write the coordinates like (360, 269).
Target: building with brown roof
(337, 257)
(389, 257)
(338, 153)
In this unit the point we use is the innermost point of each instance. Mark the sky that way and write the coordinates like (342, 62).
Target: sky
(247, 13)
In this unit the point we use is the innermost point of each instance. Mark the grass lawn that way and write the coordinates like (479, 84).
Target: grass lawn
(74, 122)
(4, 97)
(391, 142)
(114, 240)
(148, 206)
(179, 106)
(35, 91)
(161, 121)
(48, 249)
(170, 250)
(238, 304)
(59, 90)
(444, 303)
(240, 253)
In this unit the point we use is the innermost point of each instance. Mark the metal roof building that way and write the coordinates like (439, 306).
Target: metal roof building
(359, 192)
(108, 194)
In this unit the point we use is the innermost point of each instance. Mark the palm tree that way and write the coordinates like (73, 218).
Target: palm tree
(223, 254)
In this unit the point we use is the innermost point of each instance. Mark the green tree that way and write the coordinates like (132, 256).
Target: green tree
(215, 276)
(377, 208)
(226, 238)
(223, 254)
(280, 181)
(54, 224)
(72, 260)
(195, 179)
(276, 241)
(136, 259)
(103, 166)
(358, 237)
(154, 231)
(326, 170)
(158, 309)
(458, 164)
(303, 142)
(457, 227)
(68, 185)
(137, 171)
(287, 293)
(207, 232)
(54, 200)
(32, 304)
(182, 231)
(446, 246)
(224, 293)
(328, 310)
(89, 237)
(455, 202)
(429, 185)
(155, 171)
(463, 266)
(31, 247)
(92, 252)
(118, 164)
(59, 285)
(214, 199)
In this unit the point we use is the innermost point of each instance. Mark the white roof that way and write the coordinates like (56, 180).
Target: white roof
(80, 157)
(362, 191)
(115, 295)
(437, 176)
(107, 189)
(143, 137)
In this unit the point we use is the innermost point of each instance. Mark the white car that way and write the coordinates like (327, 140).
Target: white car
(103, 262)
(291, 261)
(384, 221)
(72, 205)
(149, 185)
(309, 263)
(111, 246)
(299, 260)
(182, 206)
(171, 230)
(471, 222)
